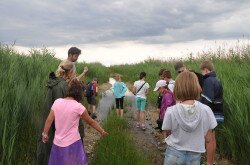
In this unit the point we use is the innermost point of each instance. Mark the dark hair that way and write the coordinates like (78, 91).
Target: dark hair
(74, 50)
(161, 71)
(75, 90)
(166, 86)
(178, 65)
(142, 74)
(166, 74)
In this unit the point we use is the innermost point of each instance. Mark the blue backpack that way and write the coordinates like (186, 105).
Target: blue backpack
(89, 91)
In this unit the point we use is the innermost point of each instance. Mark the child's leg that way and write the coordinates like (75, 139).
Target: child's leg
(117, 106)
(143, 117)
(121, 105)
(138, 116)
(143, 106)
(94, 109)
(138, 105)
(89, 106)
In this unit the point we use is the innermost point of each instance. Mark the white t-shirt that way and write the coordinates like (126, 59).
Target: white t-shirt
(142, 92)
(188, 129)
(171, 85)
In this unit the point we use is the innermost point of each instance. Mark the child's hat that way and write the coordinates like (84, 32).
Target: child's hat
(160, 83)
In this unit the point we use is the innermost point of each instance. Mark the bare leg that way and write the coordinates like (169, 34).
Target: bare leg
(121, 112)
(89, 106)
(138, 116)
(94, 110)
(117, 112)
(143, 117)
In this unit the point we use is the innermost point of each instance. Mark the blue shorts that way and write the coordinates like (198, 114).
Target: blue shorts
(177, 157)
(140, 103)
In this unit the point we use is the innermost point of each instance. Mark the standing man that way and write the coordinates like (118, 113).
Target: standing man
(73, 54)
(180, 67)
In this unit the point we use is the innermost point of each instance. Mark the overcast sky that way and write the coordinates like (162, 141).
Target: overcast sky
(108, 30)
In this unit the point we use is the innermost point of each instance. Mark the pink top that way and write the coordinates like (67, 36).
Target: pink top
(67, 116)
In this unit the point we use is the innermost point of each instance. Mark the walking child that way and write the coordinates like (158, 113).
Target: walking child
(119, 90)
(67, 146)
(140, 89)
(167, 101)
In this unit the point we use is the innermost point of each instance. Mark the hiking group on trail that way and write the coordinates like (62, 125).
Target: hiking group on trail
(189, 109)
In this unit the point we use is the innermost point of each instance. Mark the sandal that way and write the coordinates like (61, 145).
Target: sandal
(143, 126)
(138, 125)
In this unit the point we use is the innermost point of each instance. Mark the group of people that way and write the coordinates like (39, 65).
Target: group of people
(60, 138)
(189, 109)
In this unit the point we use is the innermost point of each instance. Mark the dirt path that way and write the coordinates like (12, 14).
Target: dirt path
(149, 141)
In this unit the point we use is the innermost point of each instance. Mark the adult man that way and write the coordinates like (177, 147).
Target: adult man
(73, 54)
(180, 67)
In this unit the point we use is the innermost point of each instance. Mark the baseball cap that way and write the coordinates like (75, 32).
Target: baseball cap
(160, 83)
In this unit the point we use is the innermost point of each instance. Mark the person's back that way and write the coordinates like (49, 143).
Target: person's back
(67, 115)
(167, 101)
(190, 124)
(57, 86)
(119, 89)
(141, 88)
(212, 90)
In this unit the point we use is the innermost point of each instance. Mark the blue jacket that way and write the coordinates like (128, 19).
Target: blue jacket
(119, 89)
(211, 87)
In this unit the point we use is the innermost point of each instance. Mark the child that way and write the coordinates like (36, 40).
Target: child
(189, 124)
(167, 100)
(67, 145)
(91, 93)
(168, 78)
(140, 89)
(119, 90)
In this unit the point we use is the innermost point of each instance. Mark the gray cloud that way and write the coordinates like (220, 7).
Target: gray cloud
(53, 23)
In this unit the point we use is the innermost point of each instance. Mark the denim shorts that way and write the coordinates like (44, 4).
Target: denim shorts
(177, 157)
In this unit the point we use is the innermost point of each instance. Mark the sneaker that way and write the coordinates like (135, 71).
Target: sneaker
(137, 125)
(143, 126)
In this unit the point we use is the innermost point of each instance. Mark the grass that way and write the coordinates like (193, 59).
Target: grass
(118, 147)
(233, 69)
(22, 91)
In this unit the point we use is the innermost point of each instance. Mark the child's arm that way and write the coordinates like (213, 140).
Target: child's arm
(85, 116)
(210, 138)
(124, 88)
(134, 90)
(47, 126)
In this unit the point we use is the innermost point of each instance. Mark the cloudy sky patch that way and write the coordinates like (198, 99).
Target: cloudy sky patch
(59, 23)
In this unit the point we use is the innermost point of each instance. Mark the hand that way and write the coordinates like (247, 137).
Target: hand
(45, 137)
(85, 69)
(104, 133)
